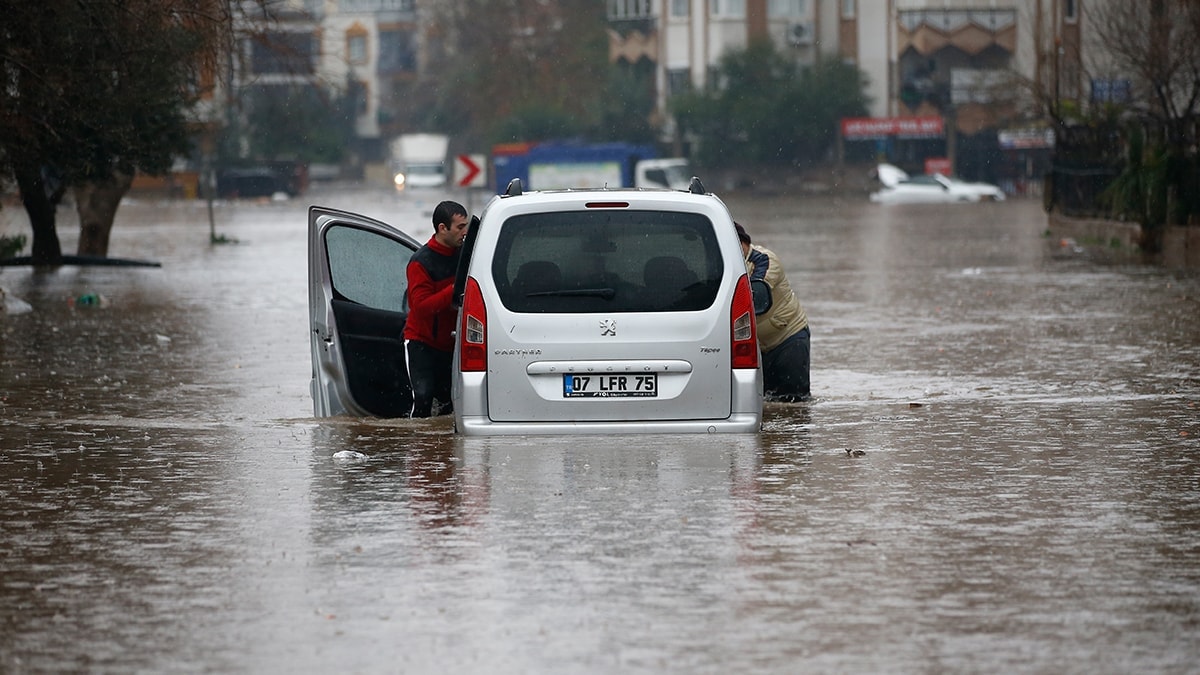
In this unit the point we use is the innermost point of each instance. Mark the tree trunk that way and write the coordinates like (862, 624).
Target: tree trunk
(41, 205)
(97, 202)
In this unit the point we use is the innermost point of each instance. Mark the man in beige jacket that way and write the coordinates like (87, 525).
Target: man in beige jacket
(783, 333)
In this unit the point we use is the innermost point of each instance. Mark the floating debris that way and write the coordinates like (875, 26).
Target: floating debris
(349, 457)
(88, 300)
(10, 304)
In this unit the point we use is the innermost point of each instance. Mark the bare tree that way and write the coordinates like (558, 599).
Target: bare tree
(1155, 45)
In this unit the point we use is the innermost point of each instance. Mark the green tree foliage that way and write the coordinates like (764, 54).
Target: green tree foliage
(11, 246)
(528, 70)
(94, 91)
(301, 123)
(766, 109)
(533, 122)
(626, 104)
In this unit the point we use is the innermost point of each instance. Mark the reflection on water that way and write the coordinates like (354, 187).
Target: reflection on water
(1000, 471)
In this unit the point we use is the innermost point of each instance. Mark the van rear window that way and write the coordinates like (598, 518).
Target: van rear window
(607, 261)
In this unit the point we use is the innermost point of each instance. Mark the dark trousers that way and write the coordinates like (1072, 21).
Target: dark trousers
(785, 369)
(429, 371)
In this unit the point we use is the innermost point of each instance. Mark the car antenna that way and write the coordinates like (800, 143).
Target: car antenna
(696, 187)
(514, 188)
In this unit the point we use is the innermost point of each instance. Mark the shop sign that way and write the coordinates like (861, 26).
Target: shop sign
(866, 128)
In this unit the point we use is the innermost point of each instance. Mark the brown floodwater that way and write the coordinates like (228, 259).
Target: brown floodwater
(999, 471)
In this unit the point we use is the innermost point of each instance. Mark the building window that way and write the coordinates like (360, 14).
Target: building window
(397, 52)
(679, 81)
(283, 53)
(356, 45)
(357, 48)
(787, 9)
(848, 9)
(729, 9)
(681, 8)
(630, 9)
(1070, 11)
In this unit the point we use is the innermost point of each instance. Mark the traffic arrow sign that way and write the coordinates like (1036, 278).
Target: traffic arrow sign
(468, 171)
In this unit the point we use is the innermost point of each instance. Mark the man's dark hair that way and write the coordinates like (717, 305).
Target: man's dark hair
(741, 232)
(446, 210)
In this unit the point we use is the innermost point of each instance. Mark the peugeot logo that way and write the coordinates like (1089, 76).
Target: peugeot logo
(608, 327)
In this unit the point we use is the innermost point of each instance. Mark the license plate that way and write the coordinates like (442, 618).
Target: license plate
(610, 386)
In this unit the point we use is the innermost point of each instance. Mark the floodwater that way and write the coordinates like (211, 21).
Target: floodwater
(1000, 471)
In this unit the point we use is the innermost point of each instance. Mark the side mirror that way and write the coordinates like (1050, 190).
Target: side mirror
(760, 294)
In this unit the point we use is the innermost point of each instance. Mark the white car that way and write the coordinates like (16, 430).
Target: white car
(900, 188)
(581, 312)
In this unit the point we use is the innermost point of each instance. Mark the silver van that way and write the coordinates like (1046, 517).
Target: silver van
(605, 311)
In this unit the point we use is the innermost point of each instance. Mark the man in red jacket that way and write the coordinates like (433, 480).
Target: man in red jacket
(431, 314)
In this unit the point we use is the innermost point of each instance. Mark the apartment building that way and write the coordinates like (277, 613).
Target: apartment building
(373, 49)
(970, 71)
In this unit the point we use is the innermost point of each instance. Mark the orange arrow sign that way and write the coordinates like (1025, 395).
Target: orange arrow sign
(467, 171)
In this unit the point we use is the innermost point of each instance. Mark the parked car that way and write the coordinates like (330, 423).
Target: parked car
(267, 180)
(581, 311)
(900, 188)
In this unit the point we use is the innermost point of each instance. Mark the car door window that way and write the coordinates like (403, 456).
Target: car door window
(367, 276)
(367, 268)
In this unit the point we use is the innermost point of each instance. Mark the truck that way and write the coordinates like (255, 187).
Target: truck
(558, 165)
(419, 160)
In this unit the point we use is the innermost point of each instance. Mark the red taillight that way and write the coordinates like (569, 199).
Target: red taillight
(743, 330)
(472, 334)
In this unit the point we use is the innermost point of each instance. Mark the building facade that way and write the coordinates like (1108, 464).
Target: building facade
(372, 51)
(982, 68)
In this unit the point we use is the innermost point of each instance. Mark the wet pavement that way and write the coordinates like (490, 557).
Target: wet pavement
(1000, 471)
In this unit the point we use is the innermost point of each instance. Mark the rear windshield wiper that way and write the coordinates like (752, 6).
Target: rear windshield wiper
(604, 293)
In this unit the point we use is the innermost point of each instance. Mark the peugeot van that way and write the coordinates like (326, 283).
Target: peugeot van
(581, 311)
(605, 311)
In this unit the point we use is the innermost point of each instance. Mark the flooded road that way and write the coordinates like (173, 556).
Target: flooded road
(1000, 471)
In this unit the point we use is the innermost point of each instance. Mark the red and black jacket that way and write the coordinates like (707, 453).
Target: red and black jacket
(431, 314)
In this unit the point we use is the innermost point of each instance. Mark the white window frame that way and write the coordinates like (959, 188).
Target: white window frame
(727, 9)
(787, 9)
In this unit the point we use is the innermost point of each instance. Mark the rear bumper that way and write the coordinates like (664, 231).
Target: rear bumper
(743, 423)
(471, 414)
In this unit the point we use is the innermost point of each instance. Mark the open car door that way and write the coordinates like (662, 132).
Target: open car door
(357, 306)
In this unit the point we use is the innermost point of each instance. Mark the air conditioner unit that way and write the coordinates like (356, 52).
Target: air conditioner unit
(800, 34)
